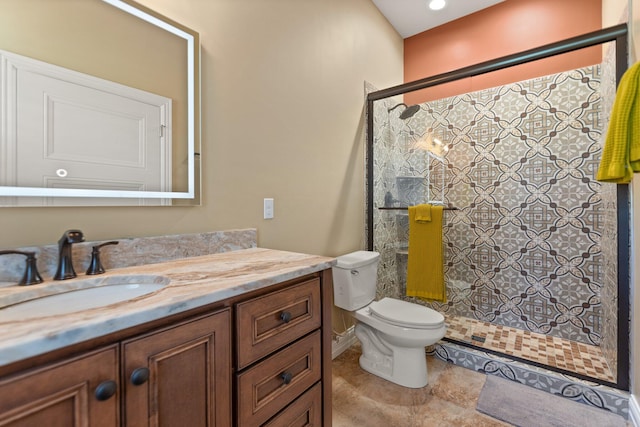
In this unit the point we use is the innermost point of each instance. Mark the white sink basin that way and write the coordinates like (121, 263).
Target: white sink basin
(106, 292)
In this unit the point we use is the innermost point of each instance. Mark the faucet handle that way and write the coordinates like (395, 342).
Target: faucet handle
(95, 266)
(31, 275)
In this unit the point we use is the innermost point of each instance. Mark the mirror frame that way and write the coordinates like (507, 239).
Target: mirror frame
(193, 118)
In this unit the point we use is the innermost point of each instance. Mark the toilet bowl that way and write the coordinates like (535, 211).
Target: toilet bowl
(393, 333)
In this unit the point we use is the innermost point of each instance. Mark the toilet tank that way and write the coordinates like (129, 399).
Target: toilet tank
(354, 279)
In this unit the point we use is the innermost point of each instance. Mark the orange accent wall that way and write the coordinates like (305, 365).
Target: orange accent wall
(506, 28)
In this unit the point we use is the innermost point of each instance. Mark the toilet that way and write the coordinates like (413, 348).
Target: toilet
(393, 333)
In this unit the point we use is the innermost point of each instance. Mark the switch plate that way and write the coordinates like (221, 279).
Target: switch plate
(268, 208)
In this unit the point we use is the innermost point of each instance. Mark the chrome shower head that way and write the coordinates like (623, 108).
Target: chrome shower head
(408, 112)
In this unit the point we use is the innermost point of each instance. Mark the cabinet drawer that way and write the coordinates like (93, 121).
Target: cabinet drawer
(267, 323)
(305, 411)
(263, 390)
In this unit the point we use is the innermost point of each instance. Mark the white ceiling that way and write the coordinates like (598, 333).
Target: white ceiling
(410, 17)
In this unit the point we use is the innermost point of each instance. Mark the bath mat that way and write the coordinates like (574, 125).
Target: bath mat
(525, 406)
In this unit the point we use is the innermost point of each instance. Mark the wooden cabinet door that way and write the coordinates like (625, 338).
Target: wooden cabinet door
(66, 394)
(189, 375)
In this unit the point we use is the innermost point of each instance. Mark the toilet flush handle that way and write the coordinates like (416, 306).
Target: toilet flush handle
(355, 272)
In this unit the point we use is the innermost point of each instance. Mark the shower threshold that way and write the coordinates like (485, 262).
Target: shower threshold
(582, 359)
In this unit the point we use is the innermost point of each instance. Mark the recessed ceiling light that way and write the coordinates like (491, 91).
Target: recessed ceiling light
(437, 4)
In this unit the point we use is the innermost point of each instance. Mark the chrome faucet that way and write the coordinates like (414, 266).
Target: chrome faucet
(65, 258)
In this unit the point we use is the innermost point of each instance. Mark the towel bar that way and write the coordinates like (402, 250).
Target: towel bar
(400, 208)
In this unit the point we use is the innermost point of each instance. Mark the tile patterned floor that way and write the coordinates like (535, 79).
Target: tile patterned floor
(551, 351)
(361, 399)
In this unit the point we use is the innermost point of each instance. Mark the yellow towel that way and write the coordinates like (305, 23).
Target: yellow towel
(621, 154)
(423, 213)
(425, 274)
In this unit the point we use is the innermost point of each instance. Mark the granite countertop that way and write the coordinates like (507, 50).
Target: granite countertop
(193, 282)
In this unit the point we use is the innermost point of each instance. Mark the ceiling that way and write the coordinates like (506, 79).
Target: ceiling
(410, 17)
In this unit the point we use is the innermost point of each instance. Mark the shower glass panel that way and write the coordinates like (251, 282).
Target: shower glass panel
(530, 236)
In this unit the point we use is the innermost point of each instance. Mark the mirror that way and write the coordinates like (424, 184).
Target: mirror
(100, 105)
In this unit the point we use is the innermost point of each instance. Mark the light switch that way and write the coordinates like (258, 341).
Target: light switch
(268, 208)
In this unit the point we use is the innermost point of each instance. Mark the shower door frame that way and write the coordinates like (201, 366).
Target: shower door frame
(617, 34)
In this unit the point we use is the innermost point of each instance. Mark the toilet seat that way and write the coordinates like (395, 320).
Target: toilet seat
(406, 314)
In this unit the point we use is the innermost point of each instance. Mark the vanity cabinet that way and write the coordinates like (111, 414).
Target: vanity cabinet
(261, 358)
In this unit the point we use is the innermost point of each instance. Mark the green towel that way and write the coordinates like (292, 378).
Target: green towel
(425, 266)
(621, 154)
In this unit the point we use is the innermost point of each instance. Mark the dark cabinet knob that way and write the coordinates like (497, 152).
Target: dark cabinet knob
(286, 377)
(139, 376)
(106, 390)
(285, 316)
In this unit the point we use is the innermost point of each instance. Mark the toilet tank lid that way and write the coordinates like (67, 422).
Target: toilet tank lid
(357, 259)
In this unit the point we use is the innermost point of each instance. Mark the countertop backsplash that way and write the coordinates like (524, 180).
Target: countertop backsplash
(129, 252)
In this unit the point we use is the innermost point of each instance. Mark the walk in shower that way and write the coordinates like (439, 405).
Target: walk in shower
(535, 249)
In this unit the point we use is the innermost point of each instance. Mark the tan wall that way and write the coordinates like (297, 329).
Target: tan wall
(95, 38)
(282, 117)
(634, 18)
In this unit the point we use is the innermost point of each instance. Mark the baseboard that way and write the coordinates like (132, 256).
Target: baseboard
(342, 342)
(634, 411)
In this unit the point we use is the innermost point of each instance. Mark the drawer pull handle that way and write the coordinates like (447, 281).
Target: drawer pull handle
(139, 376)
(285, 316)
(286, 377)
(106, 390)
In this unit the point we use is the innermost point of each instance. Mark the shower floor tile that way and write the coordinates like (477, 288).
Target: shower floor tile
(572, 356)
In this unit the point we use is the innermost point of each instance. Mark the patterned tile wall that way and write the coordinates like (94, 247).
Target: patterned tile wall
(525, 248)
